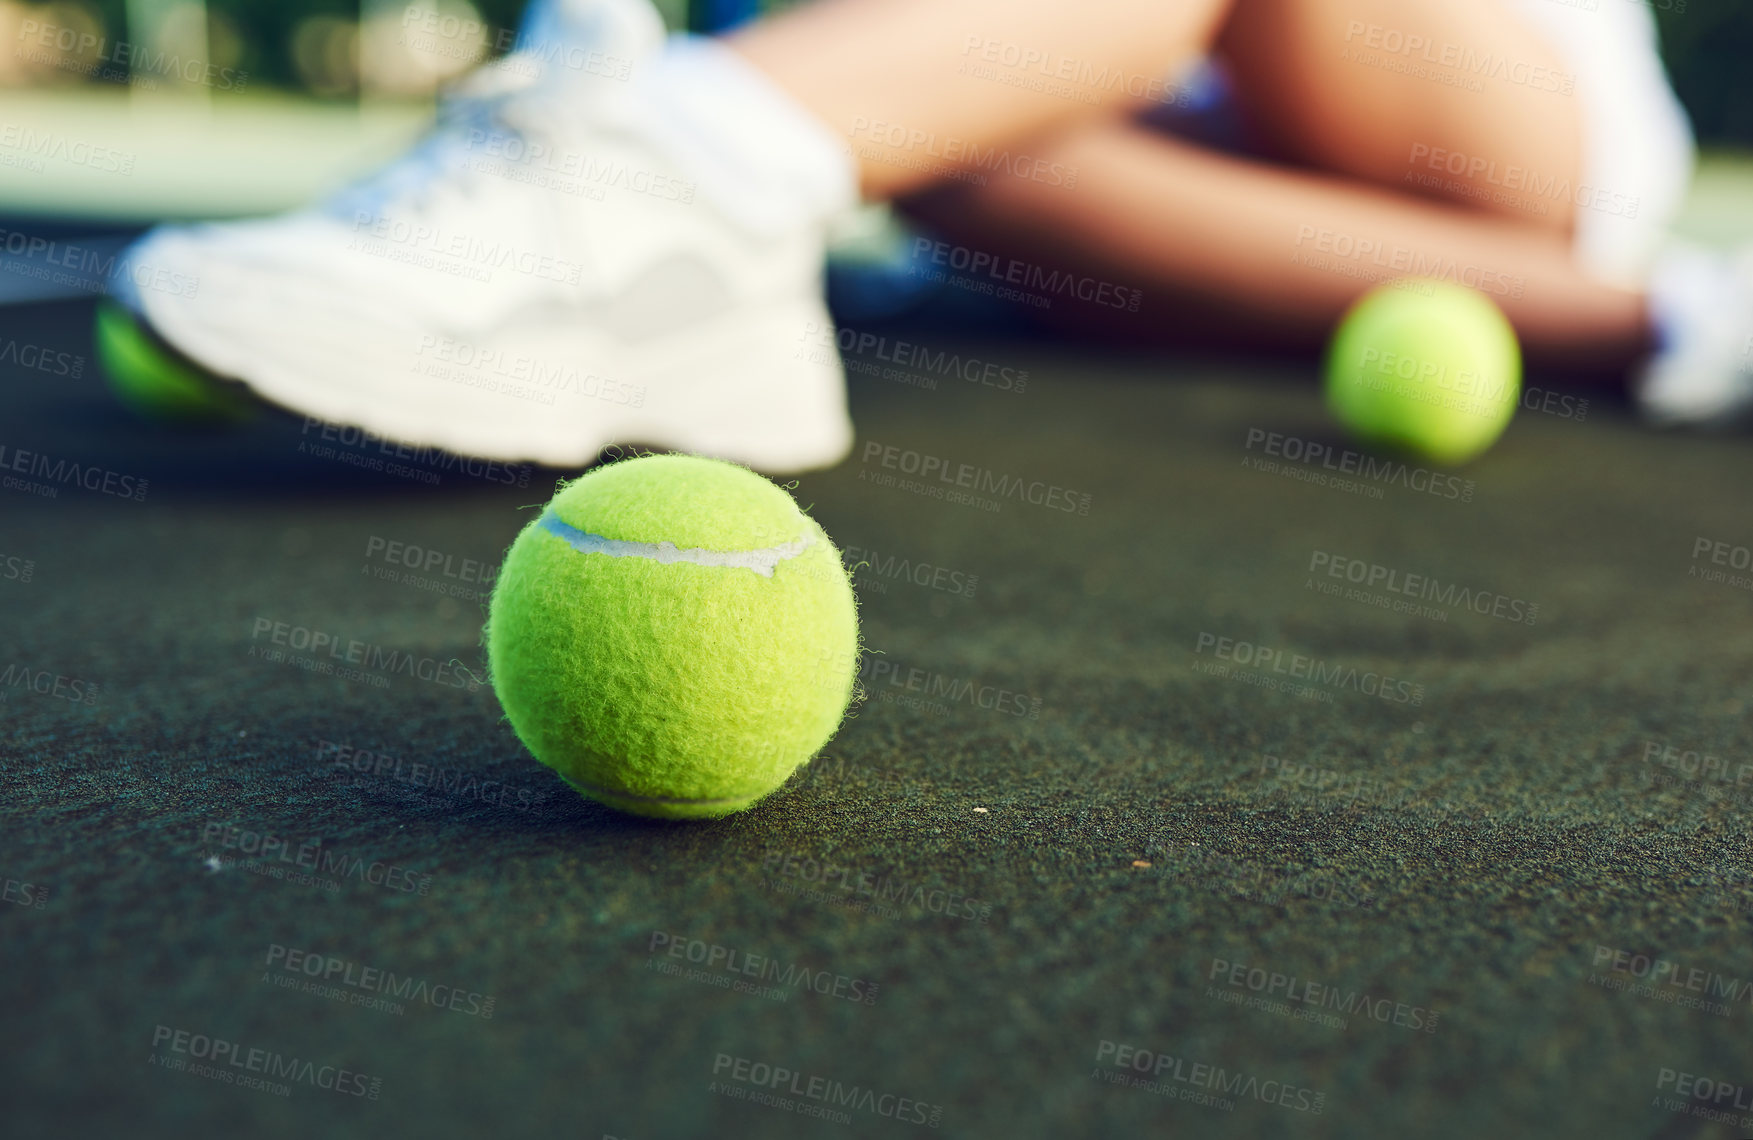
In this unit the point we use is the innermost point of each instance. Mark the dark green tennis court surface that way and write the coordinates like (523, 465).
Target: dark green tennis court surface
(1085, 863)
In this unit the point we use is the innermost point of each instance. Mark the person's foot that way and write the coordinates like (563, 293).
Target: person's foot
(1702, 371)
(606, 239)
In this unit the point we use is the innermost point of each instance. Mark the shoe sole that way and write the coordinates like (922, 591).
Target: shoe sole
(746, 390)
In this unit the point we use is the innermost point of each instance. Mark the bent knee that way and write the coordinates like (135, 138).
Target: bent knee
(1461, 103)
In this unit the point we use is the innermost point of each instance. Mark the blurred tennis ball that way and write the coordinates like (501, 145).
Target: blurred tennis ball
(150, 380)
(1427, 368)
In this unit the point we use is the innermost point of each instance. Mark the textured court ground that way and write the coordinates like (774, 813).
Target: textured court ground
(1072, 807)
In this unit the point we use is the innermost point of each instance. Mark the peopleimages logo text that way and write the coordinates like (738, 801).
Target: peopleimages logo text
(1302, 667)
(1010, 271)
(1312, 453)
(983, 480)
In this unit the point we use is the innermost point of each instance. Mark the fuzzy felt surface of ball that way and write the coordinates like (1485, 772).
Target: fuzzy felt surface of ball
(674, 636)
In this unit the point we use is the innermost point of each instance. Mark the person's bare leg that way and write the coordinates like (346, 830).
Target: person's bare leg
(1354, 87)
(1280, 244)
(1279, 250)
(891, 76)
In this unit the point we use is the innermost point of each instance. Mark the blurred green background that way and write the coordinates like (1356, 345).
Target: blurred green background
(126, 112)
(1707, 45)
(325, 47)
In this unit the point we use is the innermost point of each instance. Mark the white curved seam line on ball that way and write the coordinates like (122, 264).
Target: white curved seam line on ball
(763, 561)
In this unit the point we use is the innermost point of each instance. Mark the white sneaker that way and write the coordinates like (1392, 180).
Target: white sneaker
(1702, 373)
(573, 258)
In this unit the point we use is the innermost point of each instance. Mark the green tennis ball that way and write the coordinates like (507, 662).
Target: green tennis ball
(1425, 367)
(150, 381)
(673, 636)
